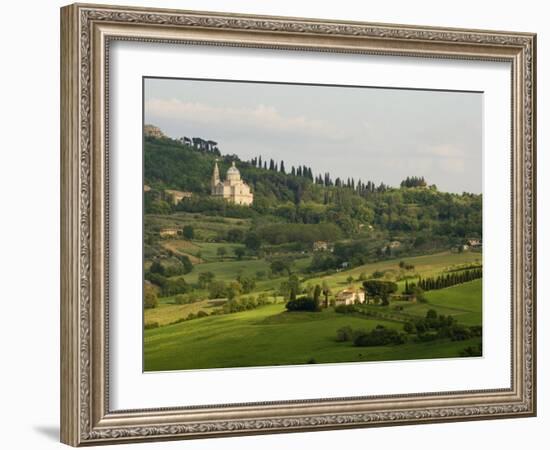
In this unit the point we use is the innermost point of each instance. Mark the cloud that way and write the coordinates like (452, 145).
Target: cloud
(443, 151)
(261, 118)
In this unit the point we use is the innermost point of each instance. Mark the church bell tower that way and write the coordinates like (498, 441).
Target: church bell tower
(215, 177)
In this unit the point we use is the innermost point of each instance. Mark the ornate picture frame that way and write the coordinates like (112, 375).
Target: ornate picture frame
(87, 31)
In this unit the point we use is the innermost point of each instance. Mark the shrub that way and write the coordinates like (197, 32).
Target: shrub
(156, 278)
(181, 299)
(157, 267)
(280, 266)
(303, 304)
(174, 286)
(205, 278)
(150, 299)
(344, 334)
(187, 265)
(431, 314)
(235, 235)
(247, 283)
(201, 313)
(428, 336)
(460, 333)
(236, 305)
(345, 309)
(263, 299)
(379, 336)
(239, 252)
(476, 331)
(188, 232)
(217, 289)
(471, 351)
(185, 299)
(151, 325)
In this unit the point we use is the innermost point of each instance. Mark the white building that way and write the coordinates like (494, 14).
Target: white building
(232, 188)
(350, 296)
(177, 196)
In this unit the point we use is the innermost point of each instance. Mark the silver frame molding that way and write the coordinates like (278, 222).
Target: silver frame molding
(86, 33)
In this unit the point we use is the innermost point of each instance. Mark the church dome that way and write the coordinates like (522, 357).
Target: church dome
(233, 173)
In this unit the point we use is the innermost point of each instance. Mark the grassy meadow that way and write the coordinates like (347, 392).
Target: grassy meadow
(270, 335)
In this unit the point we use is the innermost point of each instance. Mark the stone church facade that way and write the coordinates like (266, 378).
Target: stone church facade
(233, 188)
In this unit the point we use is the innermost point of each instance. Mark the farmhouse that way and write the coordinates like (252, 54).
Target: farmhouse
(177, 196)
(391, 246)
(474, 243)
(168, 232)
(233, 188)
(350, 296)
(322, 246)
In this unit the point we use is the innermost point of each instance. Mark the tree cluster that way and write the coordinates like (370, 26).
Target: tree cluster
(303, 304)
(429, 218)
(380, 290)
(410, 182)
(281, 233)
(376, 337)
(434, 326)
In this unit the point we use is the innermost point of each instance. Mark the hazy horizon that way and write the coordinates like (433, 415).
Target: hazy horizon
(376, 134)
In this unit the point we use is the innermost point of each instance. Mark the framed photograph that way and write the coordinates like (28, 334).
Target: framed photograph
(276, 224)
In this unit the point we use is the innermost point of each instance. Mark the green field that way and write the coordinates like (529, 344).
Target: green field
(168, 312)
(463, 301)
(229, 269)
(270, 336)
(206, 227)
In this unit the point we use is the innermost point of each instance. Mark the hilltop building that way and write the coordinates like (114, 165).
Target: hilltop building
(153, 131)
(232, 188)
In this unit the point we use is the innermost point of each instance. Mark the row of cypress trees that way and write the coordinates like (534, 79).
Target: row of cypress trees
(450, 279)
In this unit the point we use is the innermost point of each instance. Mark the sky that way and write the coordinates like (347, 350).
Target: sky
(381, 135)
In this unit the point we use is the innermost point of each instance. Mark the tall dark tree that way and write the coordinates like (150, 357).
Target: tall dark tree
(380, 290)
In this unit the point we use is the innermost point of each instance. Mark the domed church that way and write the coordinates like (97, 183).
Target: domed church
(233, 188)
